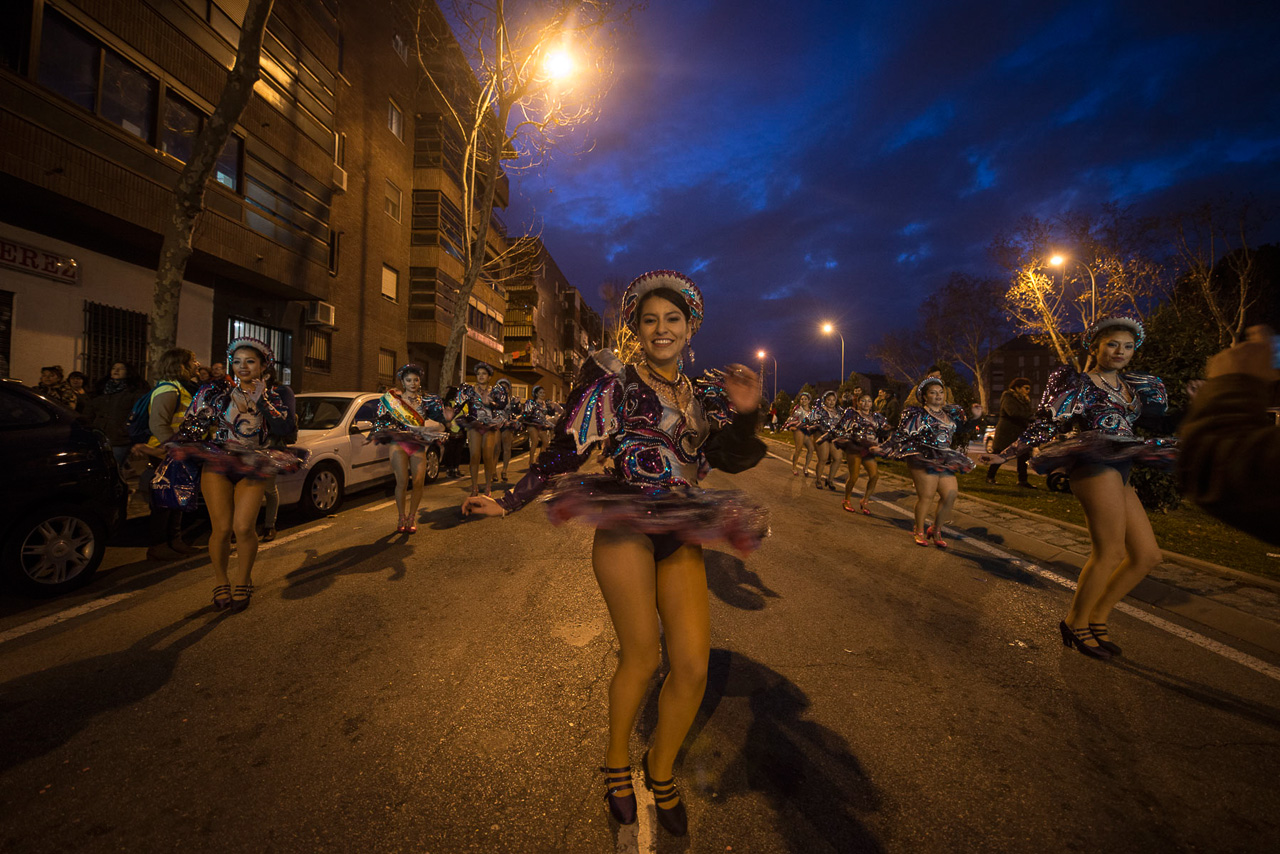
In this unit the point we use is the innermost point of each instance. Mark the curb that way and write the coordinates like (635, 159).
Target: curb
(1257, 631)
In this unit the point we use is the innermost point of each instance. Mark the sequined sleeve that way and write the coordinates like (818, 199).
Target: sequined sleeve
(591, 414)
(732, 446)
(1058, 405)
(1155, 400)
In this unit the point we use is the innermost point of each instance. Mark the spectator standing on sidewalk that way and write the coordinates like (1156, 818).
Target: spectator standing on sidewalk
(270, 493)
(108, 410)
(77, 381)
(892, 411)
(54, 386)
(170, 398)
(1016, 412)
(1229, 453)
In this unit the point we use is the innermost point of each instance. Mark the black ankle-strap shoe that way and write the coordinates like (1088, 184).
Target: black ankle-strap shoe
(673, 818)
(621, 807)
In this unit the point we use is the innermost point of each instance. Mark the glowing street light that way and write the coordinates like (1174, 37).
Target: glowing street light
(558, 64)
(760, 354)
(1060, 260)
(829, 329)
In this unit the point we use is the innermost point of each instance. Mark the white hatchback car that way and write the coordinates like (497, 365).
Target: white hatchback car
(333, 427)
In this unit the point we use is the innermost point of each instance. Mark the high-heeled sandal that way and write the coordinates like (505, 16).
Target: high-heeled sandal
(240, 597)
(845, 504)
(674, 819)
(1077, 638)
(862, 505)
(222, 597)
(621, 807)
(401, 525)
(410, 528)
(1099, 632)
(920, 538)
(934, 533)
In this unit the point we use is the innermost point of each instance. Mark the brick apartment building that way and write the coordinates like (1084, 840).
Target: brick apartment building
(1020, 357)
(333, 229)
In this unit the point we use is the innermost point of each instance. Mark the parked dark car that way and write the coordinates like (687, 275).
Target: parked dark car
(61, 494)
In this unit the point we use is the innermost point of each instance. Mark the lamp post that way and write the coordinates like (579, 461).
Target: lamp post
(760, 355)
(1059, 260)
(829, 329)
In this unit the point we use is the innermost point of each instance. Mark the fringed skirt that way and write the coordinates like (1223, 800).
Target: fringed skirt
(1092, 447)
(691, 515)
(238, 462)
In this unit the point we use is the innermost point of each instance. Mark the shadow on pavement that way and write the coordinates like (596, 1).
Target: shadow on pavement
(43, 710)
(316, 574)
(1212, 697)
(734, 584)
(444, 518)
(817, 788)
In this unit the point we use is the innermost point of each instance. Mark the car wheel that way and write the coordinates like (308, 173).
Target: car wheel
(1059, 481)
(432, 462)
(54, 551)
(322, 490)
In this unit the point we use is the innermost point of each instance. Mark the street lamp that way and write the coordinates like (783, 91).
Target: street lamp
(1059, 260)
(558, 65)
(829, 329)
(760, 354)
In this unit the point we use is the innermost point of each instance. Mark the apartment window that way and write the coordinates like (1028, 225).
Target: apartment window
(401, 47)
(395, 120)
(68, 61)
(335, 251)
(128, 96)
(319, 344)
(340, 149)
(391, 204)
(227, 170)
(390, 282)
(179, 127)
(386, 366)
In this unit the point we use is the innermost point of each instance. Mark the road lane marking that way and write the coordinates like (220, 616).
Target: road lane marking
(384, 505)
(279, 541)
(1227, 652)
(61, 616)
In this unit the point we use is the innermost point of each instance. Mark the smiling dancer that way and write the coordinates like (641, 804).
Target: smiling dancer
(1085, 425)
(481, 407)
(410, 422)
(859, 435)
(798, 422)
(824, 420)
(923, 440)
(537, 416)
(237, 428)
(659, 433)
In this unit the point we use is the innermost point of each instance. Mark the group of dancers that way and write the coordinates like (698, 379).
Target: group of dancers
(659, 433)
(853, 432)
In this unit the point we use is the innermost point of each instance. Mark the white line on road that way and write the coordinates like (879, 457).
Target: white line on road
(61, 616)
(1196, 638)
(375, 508)
(291, 537)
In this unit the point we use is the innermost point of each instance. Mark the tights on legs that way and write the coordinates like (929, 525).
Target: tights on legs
(804, 443)
(483, 448)
(410, 474)
(232, 507)
(632, 584)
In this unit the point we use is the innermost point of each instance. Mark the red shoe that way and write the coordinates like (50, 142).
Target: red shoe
(402, 526)
(845, 505)
(935, 534)
(411, 529)
(920, 540)
(862, 505)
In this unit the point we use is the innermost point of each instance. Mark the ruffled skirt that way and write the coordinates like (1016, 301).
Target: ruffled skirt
(936, 460)
(1094, 448)
(855, 446)
(238, 462)
(410, 441)
(691, 515)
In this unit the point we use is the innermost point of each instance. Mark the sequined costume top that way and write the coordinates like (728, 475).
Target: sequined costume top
(823, 420)
(1079, 421)
(511, 414)
(925, 439)
(481, 407)
(655, 453)
(412, 426)
(798, 418)
(857, 429)
(237, 434)
(538, 413)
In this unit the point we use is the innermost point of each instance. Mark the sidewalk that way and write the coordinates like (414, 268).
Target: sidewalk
(1236, 603)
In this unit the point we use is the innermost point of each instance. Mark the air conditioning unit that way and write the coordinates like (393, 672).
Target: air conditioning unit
(320, 314)
(339, 178)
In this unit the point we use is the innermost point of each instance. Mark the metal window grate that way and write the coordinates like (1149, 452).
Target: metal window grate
(113, 335)
(318, 344)
(386, 366)
(280, 341)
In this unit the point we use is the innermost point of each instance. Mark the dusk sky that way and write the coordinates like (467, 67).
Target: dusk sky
(806, 161)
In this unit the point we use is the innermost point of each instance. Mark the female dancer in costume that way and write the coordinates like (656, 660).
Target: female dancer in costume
(508, 427)
(481, 408)
(237, 428)
(824, 420)
(1085, 425)
(923, 439)
(537, 417)
(859, 435)
(410, 422)
(660, 432)
(798, 424)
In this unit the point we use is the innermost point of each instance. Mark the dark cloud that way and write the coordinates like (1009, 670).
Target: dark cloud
(806, 164)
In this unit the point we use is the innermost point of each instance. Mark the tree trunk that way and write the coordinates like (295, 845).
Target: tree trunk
(188, 195)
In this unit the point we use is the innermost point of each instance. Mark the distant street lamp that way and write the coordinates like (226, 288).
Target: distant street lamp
(829, 329)
(1060, 260)
(760, 355)
(558, 65)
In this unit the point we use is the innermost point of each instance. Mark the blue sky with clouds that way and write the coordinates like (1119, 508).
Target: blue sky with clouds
(807, 161)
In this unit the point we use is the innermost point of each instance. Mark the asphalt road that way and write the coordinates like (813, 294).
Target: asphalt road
(446, 692)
